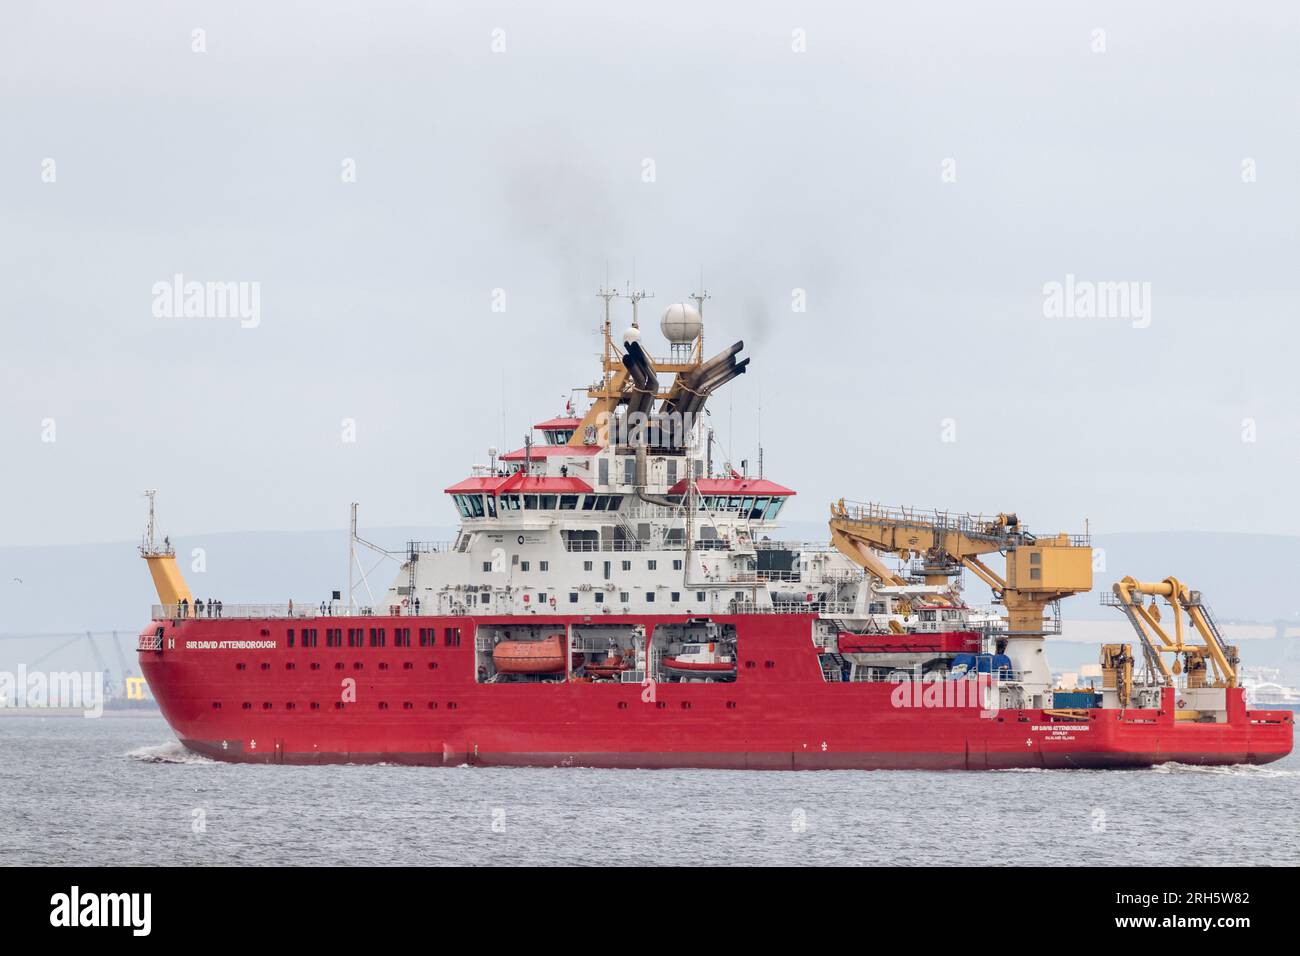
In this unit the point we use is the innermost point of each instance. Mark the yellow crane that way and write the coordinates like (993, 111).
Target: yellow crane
(1128, 594)
(1040, 570)
(161, 558)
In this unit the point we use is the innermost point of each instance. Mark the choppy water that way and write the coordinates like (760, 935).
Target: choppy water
(121, 791)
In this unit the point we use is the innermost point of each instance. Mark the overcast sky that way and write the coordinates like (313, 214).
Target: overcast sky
(794, 147)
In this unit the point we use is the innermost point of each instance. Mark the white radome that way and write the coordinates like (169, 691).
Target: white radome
(681, 323)
(632, 335)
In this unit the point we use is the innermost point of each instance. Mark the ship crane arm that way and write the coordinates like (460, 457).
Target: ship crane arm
(1145, 618)
(1039, 570)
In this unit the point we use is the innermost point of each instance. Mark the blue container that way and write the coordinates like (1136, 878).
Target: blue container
(1076, 699)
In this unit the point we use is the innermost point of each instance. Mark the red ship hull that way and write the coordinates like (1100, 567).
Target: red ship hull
(266, 702)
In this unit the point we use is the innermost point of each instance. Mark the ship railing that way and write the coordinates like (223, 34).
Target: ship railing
(987, 527)
(771, 576)
(813, 575)
(897, 675)
(834, 608)
(643, 510)
(428, 547)
(704, 544)
(840, 574)
(621, 544)
(765, 544)
(172, 612)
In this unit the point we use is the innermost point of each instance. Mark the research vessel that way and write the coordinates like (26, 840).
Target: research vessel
(618, 596)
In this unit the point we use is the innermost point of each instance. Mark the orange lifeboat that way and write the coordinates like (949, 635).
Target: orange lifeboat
(611, 666)
(530, 657)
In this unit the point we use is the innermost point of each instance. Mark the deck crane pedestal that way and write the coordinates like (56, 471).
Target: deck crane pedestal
(1040, 570)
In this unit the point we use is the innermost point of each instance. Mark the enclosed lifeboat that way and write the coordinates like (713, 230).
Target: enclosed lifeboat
(530, 657)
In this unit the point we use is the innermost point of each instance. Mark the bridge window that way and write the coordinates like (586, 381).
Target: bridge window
(568, 502)
(491, 506)
(530, 502)
(547, 502)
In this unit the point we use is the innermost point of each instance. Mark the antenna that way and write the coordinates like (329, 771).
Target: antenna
(607, 343)
(636, 298)
(149, 543)
(700, 298)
